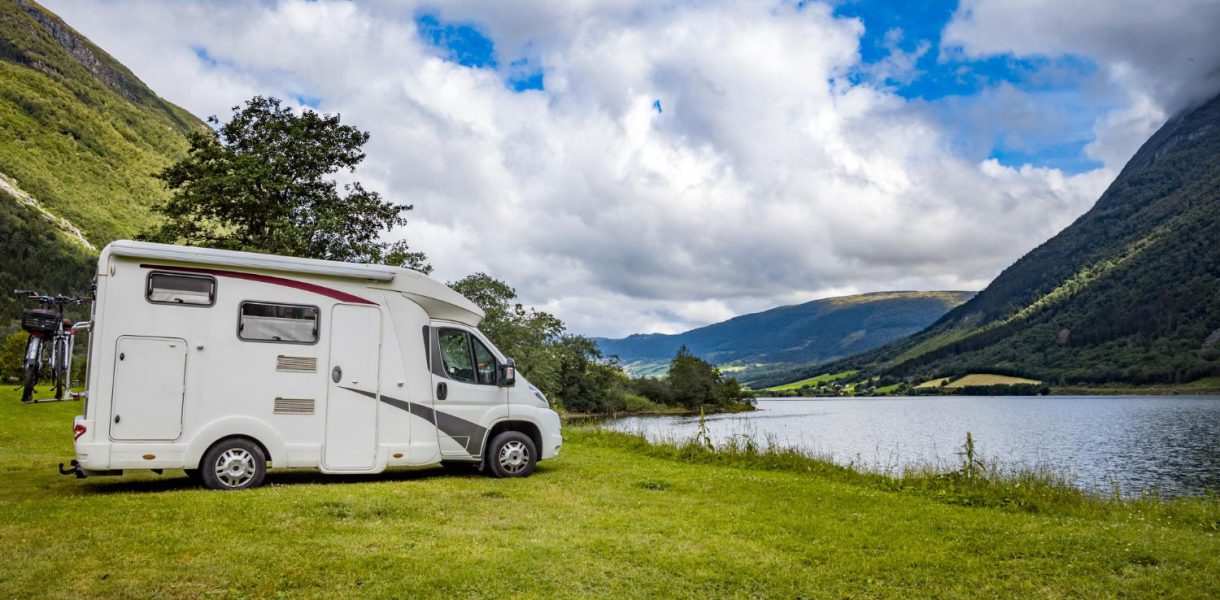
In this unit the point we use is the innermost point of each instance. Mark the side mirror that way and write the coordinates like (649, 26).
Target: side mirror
(507, 375)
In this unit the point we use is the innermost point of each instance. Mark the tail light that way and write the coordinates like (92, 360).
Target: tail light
(78, 431)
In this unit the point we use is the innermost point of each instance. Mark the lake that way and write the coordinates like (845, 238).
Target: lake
(1167, 443)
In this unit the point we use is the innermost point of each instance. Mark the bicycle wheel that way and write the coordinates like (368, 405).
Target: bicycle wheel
(33, 352)
(59, 367)
(31, 378)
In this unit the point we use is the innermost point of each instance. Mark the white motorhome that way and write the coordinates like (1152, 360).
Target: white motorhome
(222, 362)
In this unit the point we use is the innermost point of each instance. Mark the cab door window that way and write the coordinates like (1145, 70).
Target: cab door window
(466, 358)
(455, 353)
(484, 362)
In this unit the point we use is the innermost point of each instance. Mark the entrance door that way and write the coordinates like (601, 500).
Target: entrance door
(146, 399)
(351, 415)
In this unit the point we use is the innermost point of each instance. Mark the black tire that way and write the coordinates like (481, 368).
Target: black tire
(511, 454)
(59, 370)
(233, 464)
(31, 379)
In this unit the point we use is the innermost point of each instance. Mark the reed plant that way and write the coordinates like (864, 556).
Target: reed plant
(977, 481)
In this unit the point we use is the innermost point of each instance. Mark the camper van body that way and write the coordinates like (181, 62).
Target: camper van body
(341, 367)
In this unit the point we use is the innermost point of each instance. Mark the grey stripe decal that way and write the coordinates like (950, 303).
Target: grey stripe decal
(454, 427)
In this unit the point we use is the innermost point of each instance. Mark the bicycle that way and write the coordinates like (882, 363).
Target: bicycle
(52, 338)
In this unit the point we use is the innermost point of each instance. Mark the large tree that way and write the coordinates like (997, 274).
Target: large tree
(266, 182)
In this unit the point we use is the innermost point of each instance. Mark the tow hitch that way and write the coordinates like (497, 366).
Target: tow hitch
(75, 470)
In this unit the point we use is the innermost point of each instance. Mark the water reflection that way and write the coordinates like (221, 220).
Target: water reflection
(1167, 443)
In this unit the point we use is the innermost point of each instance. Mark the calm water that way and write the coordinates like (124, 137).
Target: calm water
(1170, 443)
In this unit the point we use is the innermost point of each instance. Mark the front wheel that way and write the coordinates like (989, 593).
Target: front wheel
(233, 464)
(511, 454)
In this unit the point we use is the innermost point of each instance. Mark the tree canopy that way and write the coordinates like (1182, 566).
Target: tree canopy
(568, 368)
(691, 382)
(266, 181)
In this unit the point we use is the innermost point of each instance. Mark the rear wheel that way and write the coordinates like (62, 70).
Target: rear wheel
(30, 376)
(59, 367)
(511, 454)
(31, 379)
(233, 464)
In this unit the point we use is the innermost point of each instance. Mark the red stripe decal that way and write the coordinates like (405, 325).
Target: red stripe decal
(292, 283)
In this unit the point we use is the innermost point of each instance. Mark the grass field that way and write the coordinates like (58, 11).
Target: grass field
(812, 381)
(978, 379)
(611, 517)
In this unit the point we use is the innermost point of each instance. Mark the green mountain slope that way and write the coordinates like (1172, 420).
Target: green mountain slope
(806, 333)
(1130, 292)
(80, 138)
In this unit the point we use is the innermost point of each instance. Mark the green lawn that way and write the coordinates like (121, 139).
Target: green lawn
(812, 381)
(608, 518)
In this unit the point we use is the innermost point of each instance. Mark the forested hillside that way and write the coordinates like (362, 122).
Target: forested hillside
(1130, 292)
(806, 333)
(80, 140)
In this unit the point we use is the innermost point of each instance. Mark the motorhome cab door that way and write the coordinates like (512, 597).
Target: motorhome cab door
(465, 389)
(351, 414)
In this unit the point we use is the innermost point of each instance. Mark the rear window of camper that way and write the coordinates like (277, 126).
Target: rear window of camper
(286, 323)
(175, 288)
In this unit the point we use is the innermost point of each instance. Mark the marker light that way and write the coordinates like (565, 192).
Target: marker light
(78, 431)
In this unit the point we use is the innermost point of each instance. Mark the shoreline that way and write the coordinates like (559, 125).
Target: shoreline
(662, 412)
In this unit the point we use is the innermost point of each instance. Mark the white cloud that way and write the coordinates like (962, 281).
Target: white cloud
(1164, 55)
(766, 177)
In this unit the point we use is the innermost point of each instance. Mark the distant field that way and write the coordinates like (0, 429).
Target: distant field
(812, 381)
(978, 379)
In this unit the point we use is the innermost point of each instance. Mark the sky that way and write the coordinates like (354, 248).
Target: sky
(653, 166)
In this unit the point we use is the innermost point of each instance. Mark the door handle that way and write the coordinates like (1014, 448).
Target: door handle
(442, 391)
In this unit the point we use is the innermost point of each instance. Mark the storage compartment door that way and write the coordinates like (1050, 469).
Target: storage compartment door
(149, 382)
(351, 399)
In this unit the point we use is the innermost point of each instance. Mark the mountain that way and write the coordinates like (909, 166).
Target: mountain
(806, 333)
(80, 140)
(1128, 293)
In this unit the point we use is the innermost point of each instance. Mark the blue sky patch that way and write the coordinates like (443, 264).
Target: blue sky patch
(310, 101)
(462, 43)
(204, 55)
(467, 44)
(524, 74)
(908, 34)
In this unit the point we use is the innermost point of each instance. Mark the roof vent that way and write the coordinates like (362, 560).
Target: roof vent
(296, 364)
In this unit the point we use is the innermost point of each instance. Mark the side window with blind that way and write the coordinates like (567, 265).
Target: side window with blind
(178, 288)
(285, 323)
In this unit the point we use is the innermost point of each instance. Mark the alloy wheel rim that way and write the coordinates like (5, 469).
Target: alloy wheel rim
(235, 467)
(514, 456)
